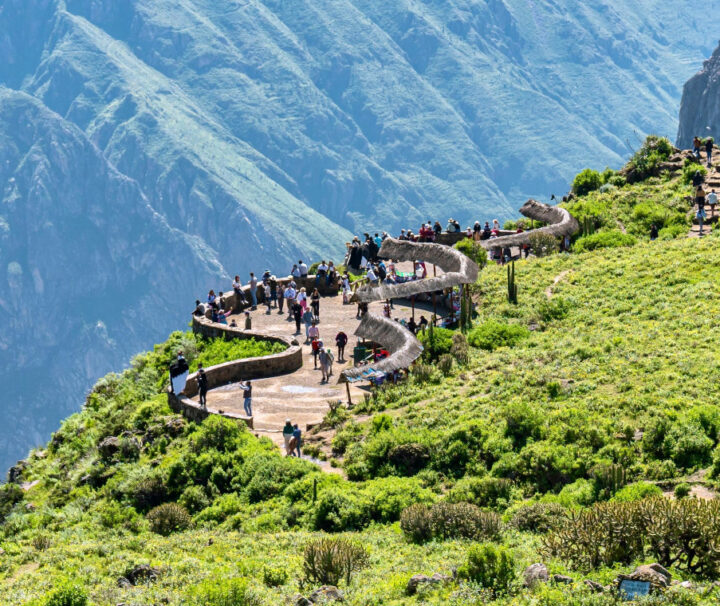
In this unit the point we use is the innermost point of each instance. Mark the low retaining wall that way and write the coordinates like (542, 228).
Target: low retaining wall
(234, 371)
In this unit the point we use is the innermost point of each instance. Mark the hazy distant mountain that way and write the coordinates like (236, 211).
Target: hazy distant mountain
(177, 141)
(700, 107)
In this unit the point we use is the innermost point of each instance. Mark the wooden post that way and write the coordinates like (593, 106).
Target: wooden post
(412, 299)
(347, 387)
(434, 305)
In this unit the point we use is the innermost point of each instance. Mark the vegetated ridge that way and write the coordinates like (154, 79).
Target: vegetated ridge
(552, 424)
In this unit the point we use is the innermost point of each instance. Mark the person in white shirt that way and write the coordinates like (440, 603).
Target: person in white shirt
(303, 269)
(372, 276)
(712, 201)
(290, 294)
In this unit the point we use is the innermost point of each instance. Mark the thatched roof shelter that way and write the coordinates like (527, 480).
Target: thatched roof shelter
(457, 267)
(561, 223)
(403, 346)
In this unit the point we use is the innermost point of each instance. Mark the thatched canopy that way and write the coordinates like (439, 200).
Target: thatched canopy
(457, 267)
(403, 346)
(561, 223)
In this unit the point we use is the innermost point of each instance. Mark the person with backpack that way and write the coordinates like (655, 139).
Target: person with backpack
(202, 385)
(341, 340)
(697, 143)
(712, 199)
(308, 321)
(697, 179)
(325, 363)
(700, 202)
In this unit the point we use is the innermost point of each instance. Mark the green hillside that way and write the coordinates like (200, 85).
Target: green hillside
(549, 436)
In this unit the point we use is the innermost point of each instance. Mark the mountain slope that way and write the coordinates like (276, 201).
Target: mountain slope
(700, 109)
(266, 131)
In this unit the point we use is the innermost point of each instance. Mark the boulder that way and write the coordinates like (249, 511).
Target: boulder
(655, 574)
(109, 446)
(535, 574)
(302, 601)
(15, 472)
(595, 586)
(326, 593)
(124, 583)
(561, 579)
(422, 579)
(144, 573)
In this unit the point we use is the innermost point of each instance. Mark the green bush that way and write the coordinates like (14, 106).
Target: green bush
(436, 342)
(690, 169)
(542, 243)
(66, 594)
(474, 251)
(636, 492)
(492, 334)
(168, 518)
(337, 510)
(522, 422)
(327, 561)
(274, 577)
(217, 433)
(194, 499)
(605, 239)
(408, 459)
(682, 490)
(490, 566)
(673, 231)
(421, 523)
(539, 517)
(647, 160)
(556, 308)
(586, 181)
(10, 494)
(581, 492)
(483, 492)
(221, 591)
(148, 491)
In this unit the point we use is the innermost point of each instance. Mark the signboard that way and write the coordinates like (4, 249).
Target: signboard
(629, 590)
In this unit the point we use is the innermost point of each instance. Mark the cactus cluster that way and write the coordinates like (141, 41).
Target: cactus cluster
(684, 533)
(587, 225)
(512, 287)
(609, 479)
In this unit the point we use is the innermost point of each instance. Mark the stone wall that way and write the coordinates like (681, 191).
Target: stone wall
(193, 411)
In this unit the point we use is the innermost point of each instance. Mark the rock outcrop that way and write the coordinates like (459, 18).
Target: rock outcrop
(700, 106)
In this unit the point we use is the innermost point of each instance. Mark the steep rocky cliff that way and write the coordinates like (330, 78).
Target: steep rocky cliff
(700, 106)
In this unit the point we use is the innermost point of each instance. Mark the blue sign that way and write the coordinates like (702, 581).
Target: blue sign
(629, 590)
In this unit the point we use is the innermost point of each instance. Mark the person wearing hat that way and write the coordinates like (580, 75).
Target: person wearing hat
(287, 432)
(450, 226)
(273, 290)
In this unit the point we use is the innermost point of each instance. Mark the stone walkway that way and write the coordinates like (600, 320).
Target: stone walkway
(712, 181)
(301, 396)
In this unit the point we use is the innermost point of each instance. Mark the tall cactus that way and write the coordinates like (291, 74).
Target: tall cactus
(512, 287)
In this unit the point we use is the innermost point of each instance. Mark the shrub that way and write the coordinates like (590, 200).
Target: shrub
(492, 334)
(436, 342)
(274, 577)
(474, 251)
(168, 518)
(491, 566)
(194, 499)
(445, 364)
(542, 243)
(460, 349)
(66, 594)
(646, 161)
(337, 510)
(421, 523)
(410, 458)
(636, 492)
(586, 181)
(425, 373)
(10, 494)
(148, 492)
(327, 561)
(539, 517)
(554, 309)
(672, 231)
(682, 490)
(220, 591)
(580, 492)
(522, 422)
(483, 492)
(613, 238)
(687, 445)
(690, 169)
(217, 432)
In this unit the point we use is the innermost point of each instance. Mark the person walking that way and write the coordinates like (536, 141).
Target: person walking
(287, 432)
(253, 290)
(697, 143)
(273, 290)
(697, 179)
(290, 294)
(709, 150)
(323, 358)
(700, 202)
(297, 312)
(297, 434)
(247, 402)
(248, 321)
(308, 320)
(302, 298)
(712, 199)
(268, 298)
(316, 345)
(341, 340)
(315, 304)
(202, 386)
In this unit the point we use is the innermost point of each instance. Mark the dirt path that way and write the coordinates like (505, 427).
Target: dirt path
(561, 276)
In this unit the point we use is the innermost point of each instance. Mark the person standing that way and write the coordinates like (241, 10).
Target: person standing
(700, 201)
(653, 232)
(315, 304)
(308, 320)
(280, 298)
(273, 290)
(202, 385)
(287, 432)
(297, 434)
(323, 359)
(303, 269)
(290, 295)
(248, 321)
(247, 401)
(268, 298)
(697, 143)
(302, 298)
(179, 371)
(313, 332)
(297, 312)
(341, 340)
(331, 274)
(253, 290)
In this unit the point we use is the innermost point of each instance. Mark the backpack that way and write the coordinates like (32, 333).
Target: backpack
(330, 356)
